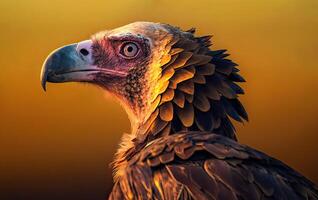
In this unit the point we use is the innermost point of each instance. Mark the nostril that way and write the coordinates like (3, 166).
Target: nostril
(84, 52)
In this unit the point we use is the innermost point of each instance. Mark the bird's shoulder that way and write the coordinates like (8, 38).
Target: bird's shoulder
(201, 165)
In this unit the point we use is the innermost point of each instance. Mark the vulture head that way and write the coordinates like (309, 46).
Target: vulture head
(168, 80)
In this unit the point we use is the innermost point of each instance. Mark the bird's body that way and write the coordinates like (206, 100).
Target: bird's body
(180, 96)
(202, 165)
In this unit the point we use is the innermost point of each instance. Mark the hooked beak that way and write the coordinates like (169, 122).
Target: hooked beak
(71, 63)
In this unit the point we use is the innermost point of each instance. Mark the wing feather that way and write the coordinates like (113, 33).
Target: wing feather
(201, 165)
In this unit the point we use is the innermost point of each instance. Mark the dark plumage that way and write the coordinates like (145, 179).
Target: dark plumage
(201, 165)
(180, 96)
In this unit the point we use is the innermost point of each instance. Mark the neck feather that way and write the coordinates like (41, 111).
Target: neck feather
(196, 90)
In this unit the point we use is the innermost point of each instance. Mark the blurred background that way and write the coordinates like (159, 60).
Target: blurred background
(58, 144)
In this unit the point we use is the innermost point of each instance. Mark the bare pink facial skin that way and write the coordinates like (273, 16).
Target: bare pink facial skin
(126, 62)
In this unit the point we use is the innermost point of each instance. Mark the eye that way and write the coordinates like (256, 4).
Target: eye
(129, 50)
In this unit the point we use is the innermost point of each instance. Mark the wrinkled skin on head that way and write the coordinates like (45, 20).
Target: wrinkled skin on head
(134, 79)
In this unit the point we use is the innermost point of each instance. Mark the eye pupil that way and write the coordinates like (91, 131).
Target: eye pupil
(130, 49)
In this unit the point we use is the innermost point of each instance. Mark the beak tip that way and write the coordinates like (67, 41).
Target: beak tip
(43, 78)
(43, 84)
(44, 87)
(63, 58)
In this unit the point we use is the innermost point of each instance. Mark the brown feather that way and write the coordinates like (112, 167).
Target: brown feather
(185, 149)
(186, 114)
(187, 45)
(168, 95)
(180, 76)
(203, 120)
(166, 111)
(179, 99)
(198, 78)
(201, 102)
(174, 41)
(175, 51)
(166, 74)
(207, 69)
(157, 126)
(227, 91)
(212, 92)
(144, 128)
(207, 183)
(172, 60)
(186, 87)
(157, 150)
(190, 69)
(166, 157)
(166, 130)
(126, 187)
(181, 174)
(153, 161)
(189, 97)
(198, 59)
(182, 58)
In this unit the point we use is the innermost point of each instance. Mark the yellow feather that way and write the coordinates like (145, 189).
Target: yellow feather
(166, 74)
(167, 95)
(180, 76)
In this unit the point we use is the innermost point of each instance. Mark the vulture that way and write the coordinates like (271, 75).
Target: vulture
(181, 98)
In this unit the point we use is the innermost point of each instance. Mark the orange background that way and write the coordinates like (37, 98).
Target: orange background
(58, 144)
